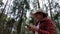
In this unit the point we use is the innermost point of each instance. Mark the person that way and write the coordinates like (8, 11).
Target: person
(44, 25)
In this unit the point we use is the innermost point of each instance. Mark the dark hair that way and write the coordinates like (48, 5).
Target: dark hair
(44, 15)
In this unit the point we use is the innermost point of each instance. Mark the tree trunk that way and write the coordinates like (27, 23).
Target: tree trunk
(50, 8)
(38, 4)
(20, 22)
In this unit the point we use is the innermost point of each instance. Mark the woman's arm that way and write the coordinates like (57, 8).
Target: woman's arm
(50, 28)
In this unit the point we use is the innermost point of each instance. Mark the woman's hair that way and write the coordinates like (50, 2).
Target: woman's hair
(44, 15)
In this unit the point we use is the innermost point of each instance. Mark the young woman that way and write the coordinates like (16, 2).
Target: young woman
(44, 24)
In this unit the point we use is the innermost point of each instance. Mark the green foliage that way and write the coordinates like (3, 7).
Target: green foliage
(27, 4)
(3, 17)
(56, 16)
(1, 3)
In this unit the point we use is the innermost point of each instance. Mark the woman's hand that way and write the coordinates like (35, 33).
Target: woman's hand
(33, 28)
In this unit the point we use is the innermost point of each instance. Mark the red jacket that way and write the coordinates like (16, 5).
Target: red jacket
(47, 26)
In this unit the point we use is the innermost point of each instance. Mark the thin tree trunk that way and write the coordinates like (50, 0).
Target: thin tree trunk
(20, 23)
(50, 9)
(38, 4)
(5, 6)
(4, 30)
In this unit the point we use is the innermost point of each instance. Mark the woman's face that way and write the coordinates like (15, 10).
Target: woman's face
(39, 16)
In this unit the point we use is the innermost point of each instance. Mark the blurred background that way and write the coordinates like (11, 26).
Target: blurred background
(14, 14)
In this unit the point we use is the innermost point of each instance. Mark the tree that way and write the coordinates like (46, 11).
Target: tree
(21, 12)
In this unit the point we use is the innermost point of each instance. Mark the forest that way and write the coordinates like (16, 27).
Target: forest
(15, 14)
